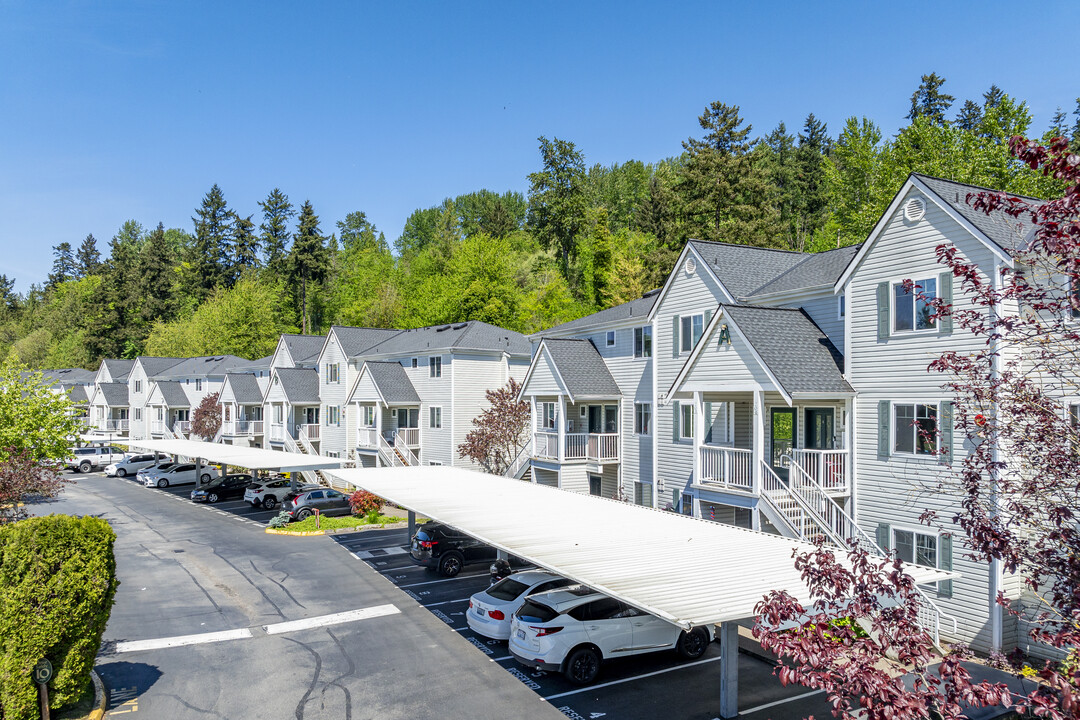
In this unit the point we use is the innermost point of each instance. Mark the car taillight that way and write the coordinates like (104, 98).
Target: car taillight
(496, 615)
(542, 631)
(428, 544)
(470, 603)
(257, 490)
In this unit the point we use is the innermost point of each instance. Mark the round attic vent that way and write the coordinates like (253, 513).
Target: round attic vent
(914, 209)
(691, 266)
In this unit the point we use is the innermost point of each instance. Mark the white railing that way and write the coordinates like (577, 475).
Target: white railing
(309, 431)
(367, 437)
(113, 425)
(828, 468)
(242, 427)
(522, 459)
(290, 446)
(577, 445)
(277, 433)
(409, 437)
(604, 446)
(396, 455)
(182, 426)
(157, 426)
(546, 445)
(731, 467)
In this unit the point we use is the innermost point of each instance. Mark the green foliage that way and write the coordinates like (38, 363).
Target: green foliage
(363, 502)
(57, 583)
(557, 199)
(280, 520)
(277, 211)
(33, 417)
(308, 266)
(209, 259)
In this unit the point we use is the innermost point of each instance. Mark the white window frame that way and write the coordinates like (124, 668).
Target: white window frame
(643, 341)
(841, 306)
(435, 366)
(369, 416)
(415, 363)
(893, 305)
(894, 428)
(642, 418)
(609, 338)
(434, 463)
(138, 386)
(549, 420)
(916, 531)
(684, 335)
(435, 417)
(198, 384)
(138, 413)
(279, 414)
(333, 373)
(683, 421)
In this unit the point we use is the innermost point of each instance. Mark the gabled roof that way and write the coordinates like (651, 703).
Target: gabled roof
(114, 393)
(300, 385)
(471, 335)
(154, 366)
(1007, 232)
(172, 394)
(391, 382)
(245, 388)
(814, 270)
(744, 268)
(304, 348)
(77, 394)
(205, 366)
(580, 367)
(69, 376)
(638, 308)
(262, 364)
(118, 369)
(355, 340)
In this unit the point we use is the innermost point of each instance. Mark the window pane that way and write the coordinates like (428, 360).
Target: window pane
(905, 545)
(646, 337)
(686, 334)
(923, 310)
(687, 425)
(926, 550)
(905, 433)
(926, 439)
(637, 342)
(699, 327)
(903, 309)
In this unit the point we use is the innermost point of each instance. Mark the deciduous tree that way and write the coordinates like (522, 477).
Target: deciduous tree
(33, 418)
(206, 418)
(500, 432)
(557, 200)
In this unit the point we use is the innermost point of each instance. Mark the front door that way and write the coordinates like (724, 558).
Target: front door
(781, 439)
(819, 429)
(596, 422)
(594, 484)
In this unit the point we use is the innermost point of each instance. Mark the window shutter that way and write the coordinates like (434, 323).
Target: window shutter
(944, 587)
(946, 431)
(884, 407)
(945, 293)
(676, 498)
(675, 417)
(708, 420)
(883, 532)
(675, 336)
(883, 311)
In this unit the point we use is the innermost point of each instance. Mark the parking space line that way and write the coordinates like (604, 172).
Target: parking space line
(631, 679)
(446, 602)
(445, 580)
(335, 619)
(766, 706)
(382, 552)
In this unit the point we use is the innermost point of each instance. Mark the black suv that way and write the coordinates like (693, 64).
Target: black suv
(230, 486)
(446, 549)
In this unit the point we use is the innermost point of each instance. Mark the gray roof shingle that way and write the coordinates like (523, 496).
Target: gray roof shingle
(301, 385)
(355, 340)
(115, 393)
(471, 335)
(744, 268)
(582, 368)
(1007, 232)
(815, 270)
(245, 388)
(796, 351)
(173, 394)
(205, 366)
(77, 394)
(69, 376)
(393, 383)
(638, 308)
(154, 366)
(304, 348)
(118, 369)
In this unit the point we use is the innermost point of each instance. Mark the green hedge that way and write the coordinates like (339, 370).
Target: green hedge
(57, 582)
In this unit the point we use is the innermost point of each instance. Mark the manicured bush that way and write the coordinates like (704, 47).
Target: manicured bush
(363, 502)
(57, 583)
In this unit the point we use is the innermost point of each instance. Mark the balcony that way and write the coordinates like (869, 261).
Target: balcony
(157, 427)
(728, 468)
(242, 428)
(367, 437)
(182, 426)
(599, 447)
(277, 433)
(310, 432)
(111, 425)
(409, 437)
(828, 468)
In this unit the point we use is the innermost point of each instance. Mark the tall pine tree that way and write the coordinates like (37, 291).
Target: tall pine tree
(813, 193)
(64, 267)
(969, 117)
(309, 262)
(156, 277)
(88, 257)
(209, 261)
(277, 211)
(245, 246)
(557, 199)
(929, 101)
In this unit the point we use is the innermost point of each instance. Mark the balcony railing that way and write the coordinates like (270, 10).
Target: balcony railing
(157, 427)
(242, 427)
(730, 467)
(828, 468)
(410, 437)
(547, 445)
(277, 433)
(367, 437)
(309, 432)
(602, 447)
(182, 426)
(111, 425)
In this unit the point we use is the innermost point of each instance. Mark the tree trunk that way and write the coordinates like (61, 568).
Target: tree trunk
(303, 305)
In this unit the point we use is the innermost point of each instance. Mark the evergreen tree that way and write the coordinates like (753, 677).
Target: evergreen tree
(993, 97)
(657, 213)
(778, 160)
(929, 101)
(1075, 134)
(277, 211)
(245, 245)
(724, 189)
(1057, 124)
(557, 199)
(7, 295)
(64, 267)
(88, 257)
(209, 260)
(156, 277)
(814, 147)
(309, 260)
(357, 233)
(969, 117)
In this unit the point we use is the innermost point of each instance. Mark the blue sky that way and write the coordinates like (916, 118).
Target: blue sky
(118, 110)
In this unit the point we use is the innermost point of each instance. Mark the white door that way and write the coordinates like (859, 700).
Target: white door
(606, 625)
(650, 632)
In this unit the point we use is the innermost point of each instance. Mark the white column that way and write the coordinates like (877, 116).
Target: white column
(729, 670)
(758, 437)
(378, 436)
(699, 433)
(560, 425)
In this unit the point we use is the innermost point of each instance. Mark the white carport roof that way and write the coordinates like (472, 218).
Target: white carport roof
(246, 457)
(689, 571)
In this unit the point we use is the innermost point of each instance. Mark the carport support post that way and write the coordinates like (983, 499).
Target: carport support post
(198, 473)
(412, 524)
(729, 669)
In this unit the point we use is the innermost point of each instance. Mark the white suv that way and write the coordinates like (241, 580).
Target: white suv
(85, 459)
(180, 475)
(490, 610)
(131, 465)
(574, 629)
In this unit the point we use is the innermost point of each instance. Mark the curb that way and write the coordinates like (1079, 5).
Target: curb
(99, 697)
(275, 531)
(338, 531)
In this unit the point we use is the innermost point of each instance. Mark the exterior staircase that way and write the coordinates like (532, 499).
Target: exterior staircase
(311, 476)
(801, 509)
(396, 455)
(521, 468)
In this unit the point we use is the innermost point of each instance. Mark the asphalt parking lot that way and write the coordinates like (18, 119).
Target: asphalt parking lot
(234, 509)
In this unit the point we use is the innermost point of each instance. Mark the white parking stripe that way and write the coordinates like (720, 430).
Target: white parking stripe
(335, 619)
(780, 702)
(446, 602)
(631, 679)
(446, 580)
(180, 640)
(380, 552)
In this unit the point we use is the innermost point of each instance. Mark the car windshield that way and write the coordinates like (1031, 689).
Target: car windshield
(507, 589)
(533, 611)
(84, 451)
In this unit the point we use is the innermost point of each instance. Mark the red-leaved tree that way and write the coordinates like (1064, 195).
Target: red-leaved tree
(23, 480)
(500, 432)
(206, 419)
(1017, 489)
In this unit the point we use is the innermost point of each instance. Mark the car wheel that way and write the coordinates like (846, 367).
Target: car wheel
(212, 498)
(206, 477)
(269, 503)
(693, 644)
(450, 565)
(121, 472)
(582, 666)
(303, 514)
(84, 467)
(163, 483)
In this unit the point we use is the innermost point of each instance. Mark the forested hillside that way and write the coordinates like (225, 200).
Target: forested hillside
(584, 238)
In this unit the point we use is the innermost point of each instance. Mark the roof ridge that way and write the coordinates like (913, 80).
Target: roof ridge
(749, 247)
(975, 187)
(761, 307)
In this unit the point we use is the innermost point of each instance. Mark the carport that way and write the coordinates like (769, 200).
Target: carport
(686, 570)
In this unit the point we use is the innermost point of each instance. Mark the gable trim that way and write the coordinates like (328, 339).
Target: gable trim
(352, 391)
(554, 367)
(679, 263)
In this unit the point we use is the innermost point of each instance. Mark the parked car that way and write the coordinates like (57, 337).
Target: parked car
(574, 629)
(271, 492)
(85, 459)
(447, 549)
(131, 465)
(490, 610)
(326, 500)
(183, 474)
(229, 486)
(161, 466)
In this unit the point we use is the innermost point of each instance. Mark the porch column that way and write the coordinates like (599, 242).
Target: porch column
(560, 426)
(729, 669)
(758, 437)
(699, 433)
(378, 437)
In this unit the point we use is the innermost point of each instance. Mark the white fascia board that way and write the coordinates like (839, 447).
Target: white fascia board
(554, 368)
(364, 370)
(326, 343)
(822, 395)
(680, 262)
(797, 295)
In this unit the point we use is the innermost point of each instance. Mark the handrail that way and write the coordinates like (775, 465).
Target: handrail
(522, 458)
(386, 451)
(401, 445)
(291, 446)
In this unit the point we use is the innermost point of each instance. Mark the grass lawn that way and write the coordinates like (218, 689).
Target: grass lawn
(339, 522)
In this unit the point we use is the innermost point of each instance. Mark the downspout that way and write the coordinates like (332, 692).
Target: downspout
(996, 580)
